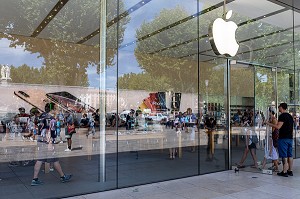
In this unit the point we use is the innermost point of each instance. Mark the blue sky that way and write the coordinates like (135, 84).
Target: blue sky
(127, 62)
(18, 56)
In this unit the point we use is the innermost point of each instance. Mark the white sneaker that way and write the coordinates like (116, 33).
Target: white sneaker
(31, 139)
(68, 150)
(61, 142)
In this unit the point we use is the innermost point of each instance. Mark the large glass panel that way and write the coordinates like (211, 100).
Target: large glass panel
(297, 80)
(286, 86)
(265, 40)
(242, 107)
(148, 97)
(49, 80)
(297, 112)
(283, 82)
(213, 124)
(157, 93)
(213, 133)
(265, 100)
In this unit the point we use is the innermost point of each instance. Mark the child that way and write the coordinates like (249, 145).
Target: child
(271, 154)
(250, 146)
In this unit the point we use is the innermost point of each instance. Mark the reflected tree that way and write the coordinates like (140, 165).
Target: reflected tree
(179, 72)
(65, 62)
(260, 44)
(143, 81)
(25, 74)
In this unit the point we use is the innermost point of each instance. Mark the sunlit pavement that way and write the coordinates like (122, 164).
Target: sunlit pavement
(221, 185)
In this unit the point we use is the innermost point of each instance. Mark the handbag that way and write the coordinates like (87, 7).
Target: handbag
(71, 129)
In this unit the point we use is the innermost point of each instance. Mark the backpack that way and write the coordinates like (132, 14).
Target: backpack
(45, 119)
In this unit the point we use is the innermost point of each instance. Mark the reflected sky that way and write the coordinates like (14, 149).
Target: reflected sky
(127, 62)
(18, 56)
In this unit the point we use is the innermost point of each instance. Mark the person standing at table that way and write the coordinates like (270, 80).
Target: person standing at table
(210, 125)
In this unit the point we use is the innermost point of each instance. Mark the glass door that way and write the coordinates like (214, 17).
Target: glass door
(251, 97)
(242, 106)
(265, 107)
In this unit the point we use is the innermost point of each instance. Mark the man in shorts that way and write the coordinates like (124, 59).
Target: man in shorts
(285, 141)
(46, 154)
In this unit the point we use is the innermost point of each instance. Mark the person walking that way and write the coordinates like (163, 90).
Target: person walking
(285, 141)
(44, 124)
(69, 130)
(250, 145)
(47, 154)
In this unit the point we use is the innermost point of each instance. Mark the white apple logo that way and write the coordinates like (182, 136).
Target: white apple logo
(222, 36)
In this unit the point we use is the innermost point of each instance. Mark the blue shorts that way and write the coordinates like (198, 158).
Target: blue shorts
(285, 148)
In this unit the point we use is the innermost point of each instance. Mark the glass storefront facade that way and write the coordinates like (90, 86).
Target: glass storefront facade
(149, 98)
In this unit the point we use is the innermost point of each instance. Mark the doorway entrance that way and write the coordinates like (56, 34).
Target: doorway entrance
(253, 90)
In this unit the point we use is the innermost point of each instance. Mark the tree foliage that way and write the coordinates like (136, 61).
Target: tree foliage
(181, 73)
(143, 81)
(65, 62)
